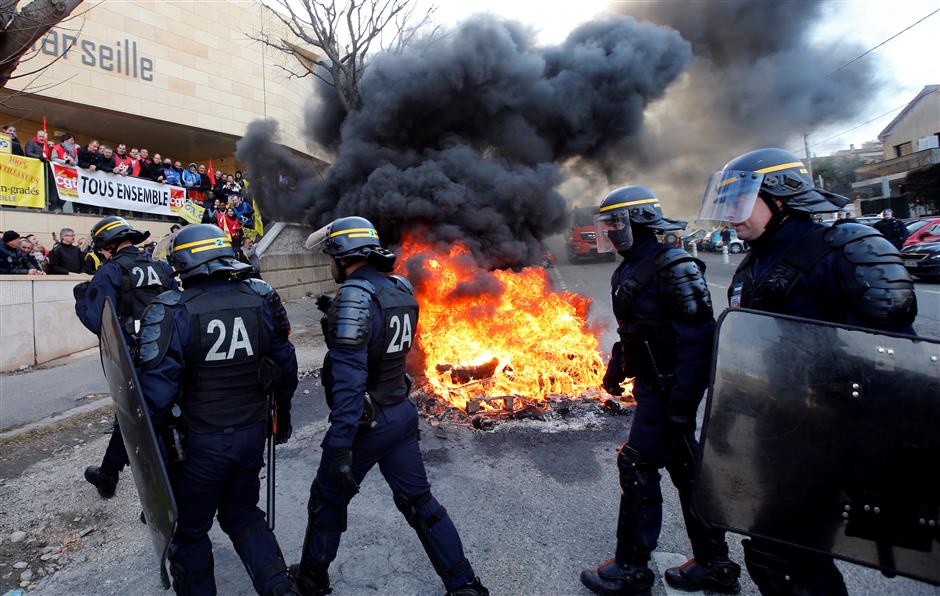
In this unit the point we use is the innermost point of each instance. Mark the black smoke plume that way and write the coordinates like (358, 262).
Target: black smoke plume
(760, 77)
(464, 137)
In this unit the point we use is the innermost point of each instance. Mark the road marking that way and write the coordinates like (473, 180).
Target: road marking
(561, 280)
(928, 291)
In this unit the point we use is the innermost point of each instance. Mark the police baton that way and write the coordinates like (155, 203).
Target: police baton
(268, 375)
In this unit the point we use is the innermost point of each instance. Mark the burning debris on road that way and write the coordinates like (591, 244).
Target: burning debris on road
(497, 344)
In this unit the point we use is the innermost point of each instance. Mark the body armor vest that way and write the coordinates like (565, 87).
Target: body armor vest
(386, 381)
(140, 284)
(644, 327)
(222, 386)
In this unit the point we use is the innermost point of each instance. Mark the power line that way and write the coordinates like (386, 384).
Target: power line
(860, 56)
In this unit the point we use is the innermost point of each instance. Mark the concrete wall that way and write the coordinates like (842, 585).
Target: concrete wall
(292, 270)
(37, 320)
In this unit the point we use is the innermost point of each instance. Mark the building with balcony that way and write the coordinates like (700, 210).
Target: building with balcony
(911, 141)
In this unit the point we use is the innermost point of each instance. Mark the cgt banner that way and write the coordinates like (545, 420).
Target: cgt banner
(122, 192)
(22, 182)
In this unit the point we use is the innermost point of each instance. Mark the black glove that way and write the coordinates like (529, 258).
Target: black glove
(284, 428)
(324, 301)
(614, 375)
(339, 465)
(79, 290)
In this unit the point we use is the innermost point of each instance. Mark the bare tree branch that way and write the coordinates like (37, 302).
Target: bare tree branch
(334, 43)
(22, 29)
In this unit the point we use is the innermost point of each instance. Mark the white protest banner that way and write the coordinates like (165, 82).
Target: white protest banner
(116, 192)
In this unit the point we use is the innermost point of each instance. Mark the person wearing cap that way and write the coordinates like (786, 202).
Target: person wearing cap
(847, 274)
(665, 328)
(218, 350)
(12, 261)
(369, 326)
(190, 177)
(130, 279)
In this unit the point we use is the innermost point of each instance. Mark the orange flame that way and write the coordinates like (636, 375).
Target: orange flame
(498, 333)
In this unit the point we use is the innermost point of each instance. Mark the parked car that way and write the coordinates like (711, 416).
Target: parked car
(923, 230)
(923, 260)
(696, 238)
(581, 239)
(714, 242)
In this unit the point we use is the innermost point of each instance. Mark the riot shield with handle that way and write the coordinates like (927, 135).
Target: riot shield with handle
(826, 438)
(143, 450)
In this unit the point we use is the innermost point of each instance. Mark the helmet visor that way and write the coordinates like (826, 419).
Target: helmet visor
(729, 197)
(613, 232)
(317, 240)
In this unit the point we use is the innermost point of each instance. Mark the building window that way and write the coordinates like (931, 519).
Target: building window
(903, 149)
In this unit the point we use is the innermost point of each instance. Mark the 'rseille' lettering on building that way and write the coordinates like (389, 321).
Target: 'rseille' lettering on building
(122, 57)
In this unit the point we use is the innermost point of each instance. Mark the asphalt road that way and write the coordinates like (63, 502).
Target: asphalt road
(534, 503)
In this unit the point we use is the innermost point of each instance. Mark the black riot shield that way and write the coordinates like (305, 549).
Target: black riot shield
(825, 438)
(143, 450)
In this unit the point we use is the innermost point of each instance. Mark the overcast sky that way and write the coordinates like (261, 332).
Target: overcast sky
(906, 63)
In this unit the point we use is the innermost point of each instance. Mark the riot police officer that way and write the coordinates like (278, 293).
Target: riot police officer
(131, 279)
(369, 328)
(215, 350)
(665, 327)
(846, 274)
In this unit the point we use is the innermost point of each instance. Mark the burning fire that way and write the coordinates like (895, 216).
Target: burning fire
(488, 334)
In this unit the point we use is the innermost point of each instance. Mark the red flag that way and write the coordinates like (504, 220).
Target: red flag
(211, 173)
(45, 146)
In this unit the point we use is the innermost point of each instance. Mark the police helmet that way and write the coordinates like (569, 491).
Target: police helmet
(203, 249)
(627, 206)
(351, 238)
(770, 174)
(114, 230)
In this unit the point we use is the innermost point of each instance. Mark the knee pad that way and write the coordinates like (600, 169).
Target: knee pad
(635, 472)
(316, 507)
(413, 509)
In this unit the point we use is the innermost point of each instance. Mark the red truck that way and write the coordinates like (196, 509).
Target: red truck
(581, 239)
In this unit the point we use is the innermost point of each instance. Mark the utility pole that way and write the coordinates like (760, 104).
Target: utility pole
(809, 161)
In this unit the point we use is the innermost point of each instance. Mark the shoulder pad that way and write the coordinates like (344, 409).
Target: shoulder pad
(273, 300)
(168, 298)
(683, 283)
(840, 235)
(156, 326)
(350, 314)
(259, 286)
(877, 283)
(402, 282)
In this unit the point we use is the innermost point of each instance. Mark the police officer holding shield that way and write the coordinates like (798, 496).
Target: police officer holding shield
(131, 279)
(845, 274)
(369, 327)
(219, 351)
(665, 327)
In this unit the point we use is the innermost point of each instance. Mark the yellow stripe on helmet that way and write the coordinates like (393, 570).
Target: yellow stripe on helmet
(630, 204)
(213, 241)
(783, 166)
(113, 224)
(213, 247)
(731, 180)
(363, 233)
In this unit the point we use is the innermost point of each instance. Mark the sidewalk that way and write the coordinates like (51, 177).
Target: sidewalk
(76, 381)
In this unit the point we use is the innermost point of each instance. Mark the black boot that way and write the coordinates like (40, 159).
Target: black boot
(283, 589)
(104, 481)
(719, 575)
(310, 581)
(474, 588)
(615, 579)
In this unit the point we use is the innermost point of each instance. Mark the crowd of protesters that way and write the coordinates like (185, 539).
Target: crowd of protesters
(27, 255)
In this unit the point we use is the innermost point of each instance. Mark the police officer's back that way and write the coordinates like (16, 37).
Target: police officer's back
(216, 350)
(846, 274)
(131, 279)
(370, 328)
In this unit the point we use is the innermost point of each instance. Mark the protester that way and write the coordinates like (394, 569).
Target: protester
(88, 156)
(64, 152)
(27, 260)
(134, 156)
(146, 165)
(38, 146)
(191, 177)
(178, 168)
(122, 162)
(240, 180)
(205, 183)
(212, 206)
(242, 209)
(228, 222)
(15, 147)
(65, 257)
(107, 161)
(170, 176)
(230, 188)
(156, 170)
